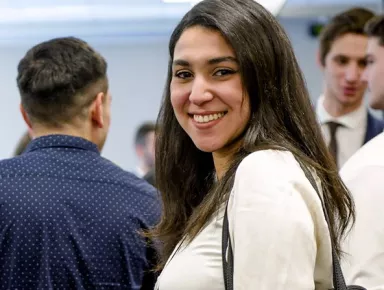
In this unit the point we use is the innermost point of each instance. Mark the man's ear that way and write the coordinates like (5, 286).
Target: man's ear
(97, 110)
(26, 118)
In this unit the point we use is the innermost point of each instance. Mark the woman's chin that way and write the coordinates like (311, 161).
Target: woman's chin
(208, 148)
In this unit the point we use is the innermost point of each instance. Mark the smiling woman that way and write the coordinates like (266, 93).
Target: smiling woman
(236, 123)
(207, 92)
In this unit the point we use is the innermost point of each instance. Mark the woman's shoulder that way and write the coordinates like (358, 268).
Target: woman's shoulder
(275, 171)
(269, 162)
(271, 193)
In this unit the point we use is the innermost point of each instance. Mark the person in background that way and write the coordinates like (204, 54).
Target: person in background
(145, 148)
(236, 124)
(363, 174)
(150, 177)
(22, 144)
(69, 218)
(344, 119)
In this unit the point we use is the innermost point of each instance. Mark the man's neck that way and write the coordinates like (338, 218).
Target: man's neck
(40, 131)
(337, 109)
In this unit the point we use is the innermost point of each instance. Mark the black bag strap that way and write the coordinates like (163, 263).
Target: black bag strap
(338, 278)
(227, 246)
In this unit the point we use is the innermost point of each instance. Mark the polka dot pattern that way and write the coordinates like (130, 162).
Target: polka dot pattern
(70, 219)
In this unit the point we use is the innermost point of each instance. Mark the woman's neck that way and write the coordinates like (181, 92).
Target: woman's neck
(222, 158)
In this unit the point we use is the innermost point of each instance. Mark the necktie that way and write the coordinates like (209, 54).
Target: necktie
(333, 146)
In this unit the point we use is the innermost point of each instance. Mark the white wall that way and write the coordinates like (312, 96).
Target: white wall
(305, 48)
(137, 73)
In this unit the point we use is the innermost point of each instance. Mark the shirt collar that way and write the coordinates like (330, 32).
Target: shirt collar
(61, 141)
(350, 120)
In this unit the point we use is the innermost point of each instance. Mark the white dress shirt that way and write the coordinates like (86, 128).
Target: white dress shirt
(363, 174)
(350, 136)
(279, 235)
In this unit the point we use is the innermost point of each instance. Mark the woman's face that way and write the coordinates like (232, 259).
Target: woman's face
(206, 89)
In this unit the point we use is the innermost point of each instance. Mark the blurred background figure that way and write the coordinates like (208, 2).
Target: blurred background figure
(145, 148)
(22, 144)
(363, 174)
(150, 177)
(345, 120)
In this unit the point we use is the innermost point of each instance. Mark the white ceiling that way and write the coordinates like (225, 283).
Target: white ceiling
(36, 19)
(293, 8)
(313, 8)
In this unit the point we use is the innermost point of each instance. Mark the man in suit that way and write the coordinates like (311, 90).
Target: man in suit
(345, 121)
(69, 218)
(363, 174)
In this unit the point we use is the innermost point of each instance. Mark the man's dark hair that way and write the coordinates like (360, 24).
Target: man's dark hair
(58, 80)
(142, 132)
(375, 28)
(350, 21)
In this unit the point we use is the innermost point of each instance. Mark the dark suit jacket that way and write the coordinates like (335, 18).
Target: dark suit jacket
(374, 128)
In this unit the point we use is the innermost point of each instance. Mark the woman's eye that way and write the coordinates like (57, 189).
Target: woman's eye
(224, 72)
(183, 74)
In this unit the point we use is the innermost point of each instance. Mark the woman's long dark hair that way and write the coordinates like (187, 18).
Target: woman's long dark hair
(282, 118)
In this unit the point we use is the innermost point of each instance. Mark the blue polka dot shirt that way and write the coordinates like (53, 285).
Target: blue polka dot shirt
(70, 219)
